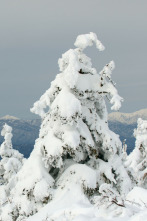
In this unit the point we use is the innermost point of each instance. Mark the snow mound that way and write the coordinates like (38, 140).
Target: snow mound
(86, 40)
(138, 196)
(74, 174)
(74, 206)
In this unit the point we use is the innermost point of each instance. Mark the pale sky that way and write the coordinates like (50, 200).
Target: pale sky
(35, 33)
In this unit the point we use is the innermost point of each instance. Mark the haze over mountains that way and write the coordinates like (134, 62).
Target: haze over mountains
(128, 118)
(25, 132)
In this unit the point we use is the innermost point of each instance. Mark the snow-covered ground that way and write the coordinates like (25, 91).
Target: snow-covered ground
(71, 205)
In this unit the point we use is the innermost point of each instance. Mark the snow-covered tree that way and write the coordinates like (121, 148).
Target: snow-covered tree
(11, 161)
(109, 200)
(32, 190)
(124, 151)
(76, 124)
(137, 160)
(74, 131)
(28, 191)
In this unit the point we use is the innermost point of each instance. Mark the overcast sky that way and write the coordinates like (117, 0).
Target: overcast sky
(35, 33)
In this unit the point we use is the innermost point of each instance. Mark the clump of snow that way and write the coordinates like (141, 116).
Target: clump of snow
(138, 196)
(69, 66)
(74, 175)
(61, 106)
(86, 40)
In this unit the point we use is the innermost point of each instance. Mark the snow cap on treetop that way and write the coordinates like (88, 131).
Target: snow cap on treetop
(76, 68)
(83, 41)
(6, 129)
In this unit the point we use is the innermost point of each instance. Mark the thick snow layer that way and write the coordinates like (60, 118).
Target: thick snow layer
(66, 205)
(32, 166)
(69, 205)
(138, 195)
(67, 107)
(75, 175)
(70, 67)
(88, 82)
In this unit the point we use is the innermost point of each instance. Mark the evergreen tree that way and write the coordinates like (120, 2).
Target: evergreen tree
(137, 160)
(76, 125)
(11, 162)
(75, 146)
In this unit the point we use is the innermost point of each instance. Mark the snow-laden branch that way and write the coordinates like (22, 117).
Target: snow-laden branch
(108, 86)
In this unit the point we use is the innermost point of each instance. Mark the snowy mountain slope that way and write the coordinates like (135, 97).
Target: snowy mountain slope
(128, 118)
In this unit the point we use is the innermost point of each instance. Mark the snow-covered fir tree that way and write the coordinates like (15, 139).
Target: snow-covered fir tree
(137, 160)
(75, 148)
(76, 124)
(124, 151)
(11, 159)
(11, 162)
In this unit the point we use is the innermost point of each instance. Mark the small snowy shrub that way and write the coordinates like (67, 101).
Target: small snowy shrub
(109, 199)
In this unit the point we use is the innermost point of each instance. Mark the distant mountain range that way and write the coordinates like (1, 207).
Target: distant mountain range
(128, 118)
(124, 125)
(25, 132)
